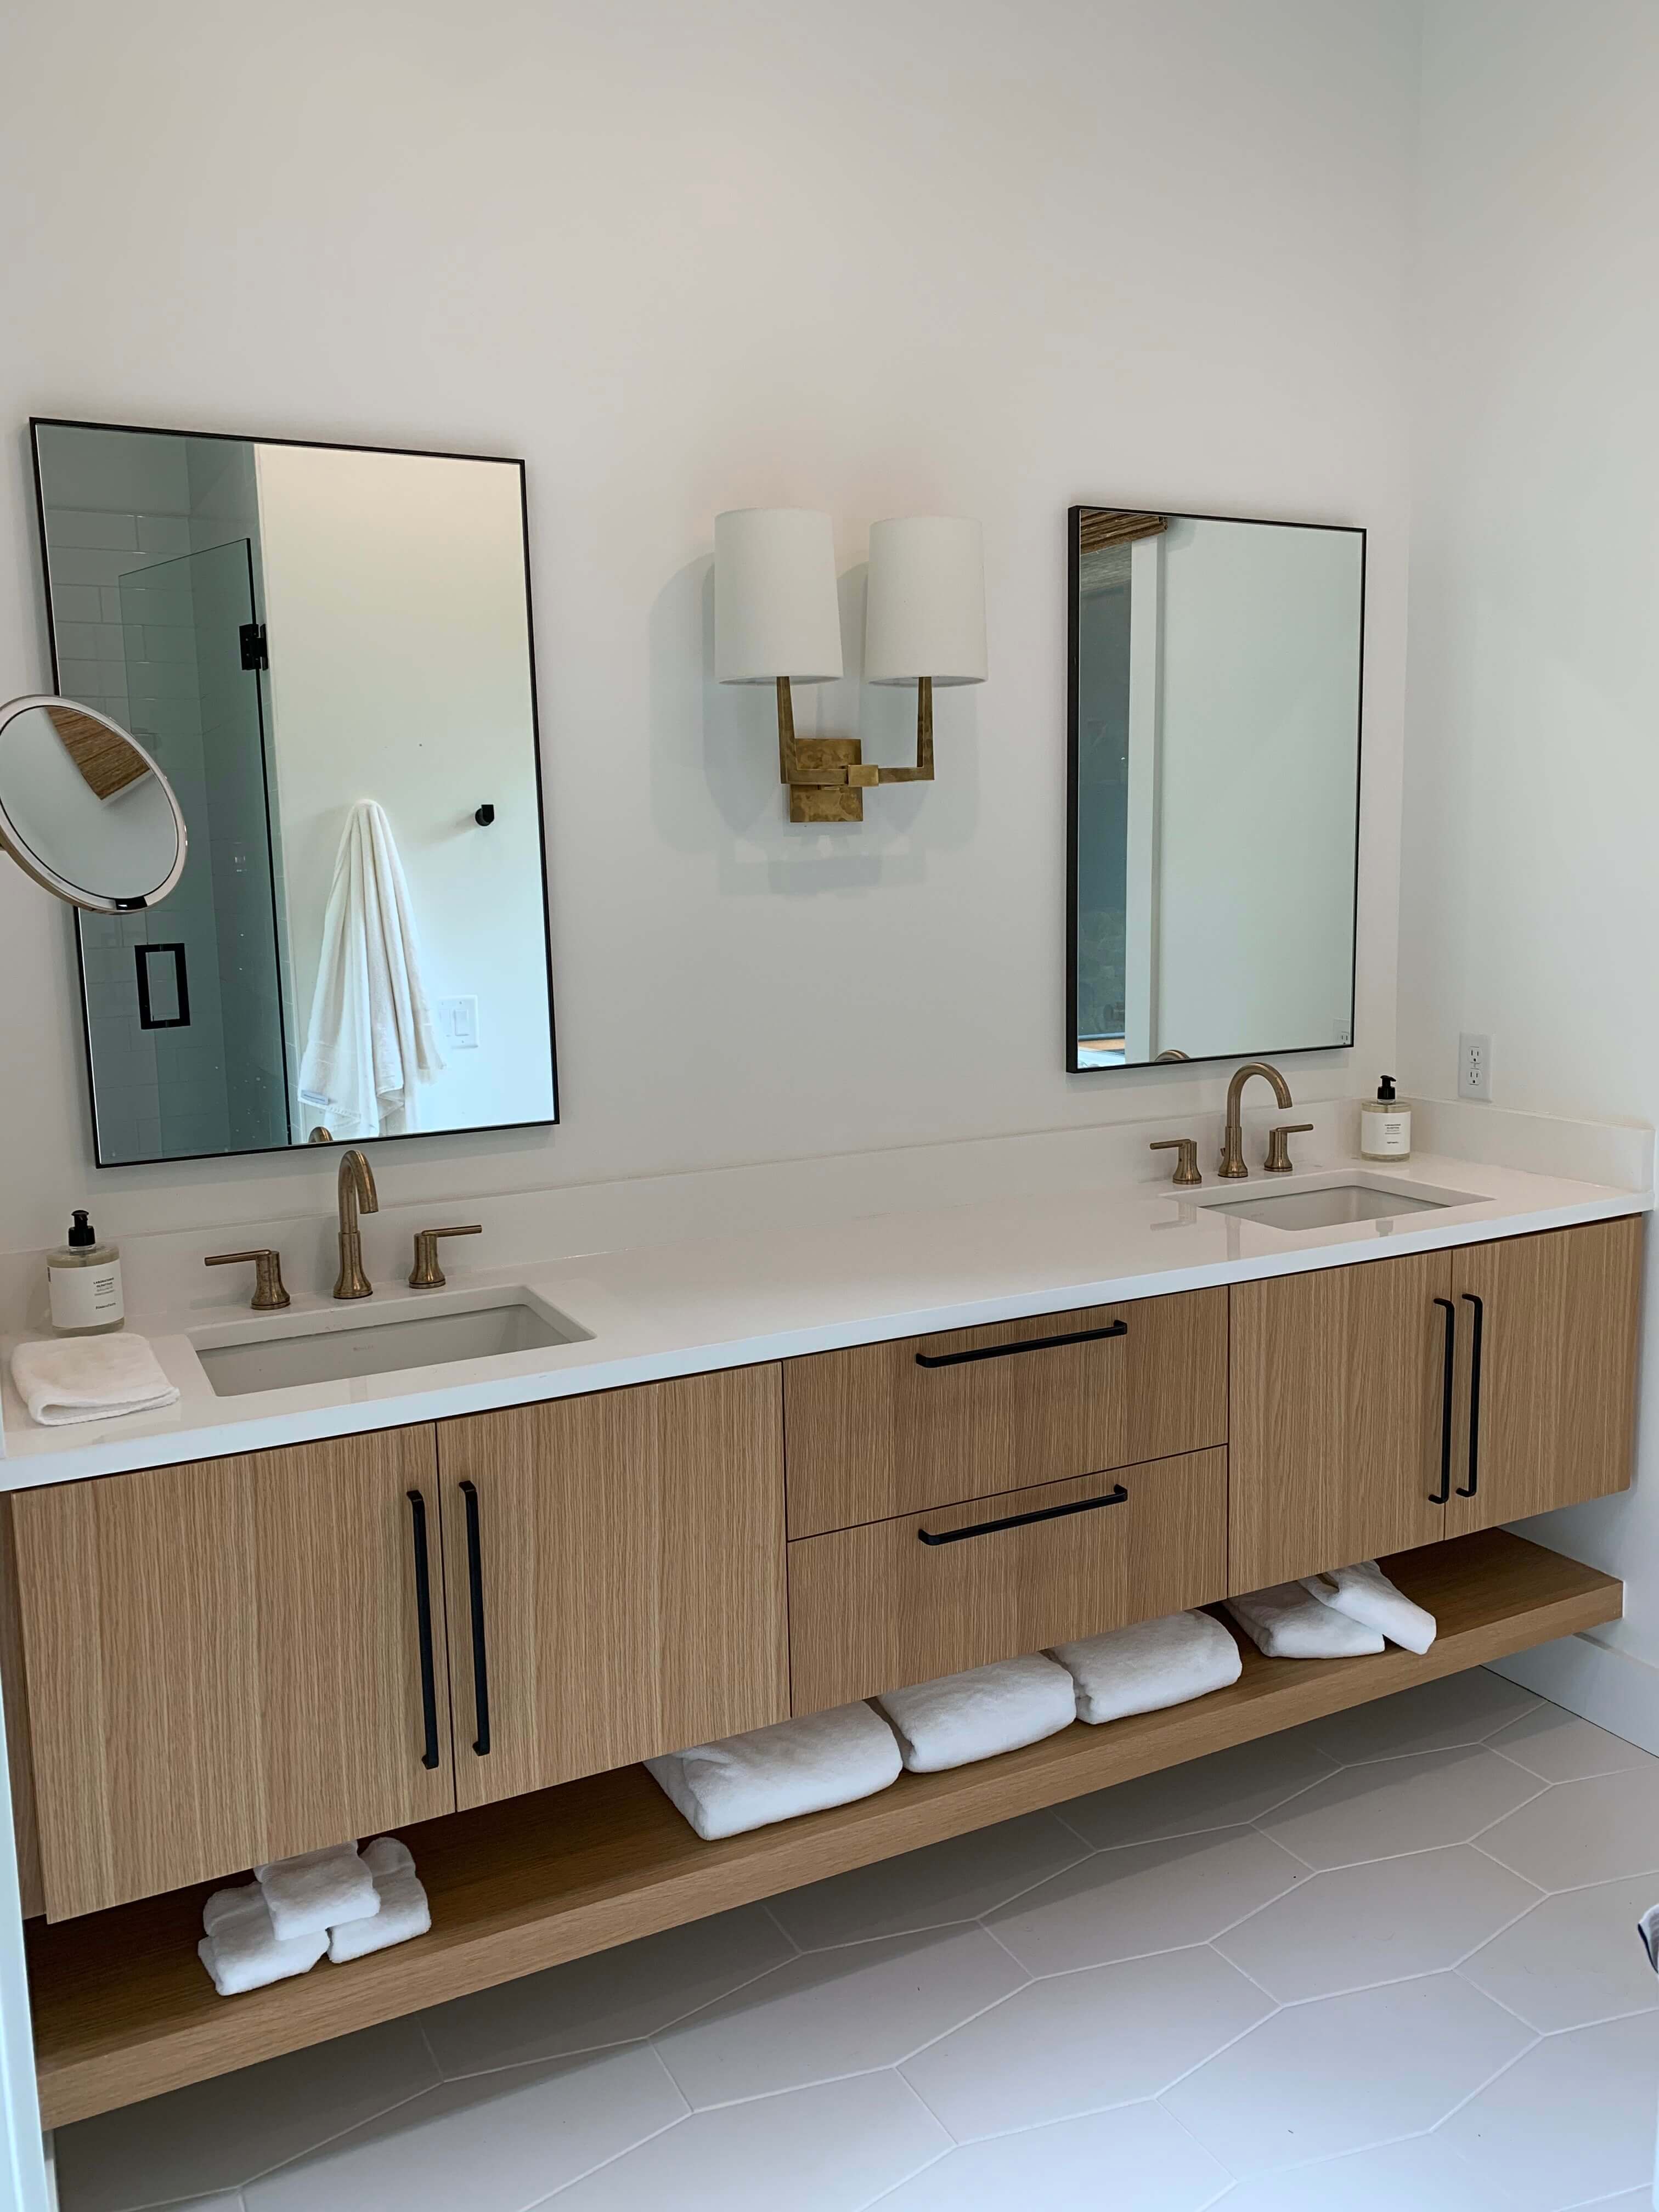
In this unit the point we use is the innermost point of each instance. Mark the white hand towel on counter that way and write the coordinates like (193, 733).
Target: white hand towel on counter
(315, 1891)
(1154, 1664)
(774, 1773)
(963, 1717)
(371, 1038)
(403, 1911)
(1365, 1594)
(241, 1950)
(1286, 1622)
(89, 1378)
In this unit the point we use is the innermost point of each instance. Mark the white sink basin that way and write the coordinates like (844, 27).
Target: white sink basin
(281, 1354)
(1335, 1201)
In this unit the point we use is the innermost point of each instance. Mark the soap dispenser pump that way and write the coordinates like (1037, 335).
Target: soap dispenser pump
(1385, 1125)
(83, 1282)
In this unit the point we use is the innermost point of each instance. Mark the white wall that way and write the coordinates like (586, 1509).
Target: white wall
(1531, 886)
(400, 673)
(955, 256)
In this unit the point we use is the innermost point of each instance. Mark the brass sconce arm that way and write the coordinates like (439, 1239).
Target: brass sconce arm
(827, 777)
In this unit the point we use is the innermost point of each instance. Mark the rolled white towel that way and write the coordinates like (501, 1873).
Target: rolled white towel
(1365, 1594)
(1286, 1622)
(1154, 1664)
(405, 1913)
(89, 1378)
(316, 1891)
(774, 1773)
(241, 1950)
(961, 1717)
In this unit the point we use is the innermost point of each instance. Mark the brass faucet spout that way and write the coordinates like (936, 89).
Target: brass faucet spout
(355, 1188)
(1233, 1165)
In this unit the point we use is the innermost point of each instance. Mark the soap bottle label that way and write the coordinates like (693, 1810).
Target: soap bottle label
(86, 1297)
(1386, 1135)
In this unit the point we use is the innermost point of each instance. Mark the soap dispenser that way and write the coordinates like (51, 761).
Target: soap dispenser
(1385, 1125)
(83, 1282)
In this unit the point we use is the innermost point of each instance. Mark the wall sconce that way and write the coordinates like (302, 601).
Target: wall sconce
(777, 621)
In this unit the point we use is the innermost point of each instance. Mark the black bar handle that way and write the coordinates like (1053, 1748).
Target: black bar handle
(1031, 1344)
(1114, 1497)
(1469, 1489)
(475, 1598)
(1447, 1378)
(423, 1621)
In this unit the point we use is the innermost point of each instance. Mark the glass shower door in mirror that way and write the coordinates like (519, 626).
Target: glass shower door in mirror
(328, 649)
(1214, 770)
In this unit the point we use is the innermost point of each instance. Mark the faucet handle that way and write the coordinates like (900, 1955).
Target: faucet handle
(268, 1289)
(426, 1275)
(1278, 1161)
(1186, 1167)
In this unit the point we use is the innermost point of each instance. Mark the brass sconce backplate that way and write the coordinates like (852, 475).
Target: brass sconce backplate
(827, 776)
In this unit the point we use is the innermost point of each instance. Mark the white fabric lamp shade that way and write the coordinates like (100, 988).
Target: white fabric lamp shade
(776, 612)
(925, 614)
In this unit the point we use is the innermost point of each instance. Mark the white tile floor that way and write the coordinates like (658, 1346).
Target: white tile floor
(1386, 1960)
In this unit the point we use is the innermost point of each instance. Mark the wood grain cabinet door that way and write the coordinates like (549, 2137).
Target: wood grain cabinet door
(225, 1664)
(1545, 1414)
(615, 1575)
(1338, 1421)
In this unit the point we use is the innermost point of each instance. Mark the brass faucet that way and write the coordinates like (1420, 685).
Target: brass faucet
(1232, 1137)
(357, 1187)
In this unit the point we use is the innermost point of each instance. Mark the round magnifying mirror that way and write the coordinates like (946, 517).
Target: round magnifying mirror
(83, 808)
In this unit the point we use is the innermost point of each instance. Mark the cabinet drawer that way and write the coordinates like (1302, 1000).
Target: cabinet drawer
(930, 1420)
(878, 1607)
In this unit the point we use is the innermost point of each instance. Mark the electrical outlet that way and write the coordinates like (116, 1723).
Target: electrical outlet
(1474, 1066)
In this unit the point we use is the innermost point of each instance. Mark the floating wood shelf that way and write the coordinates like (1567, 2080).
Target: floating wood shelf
(123, 2010)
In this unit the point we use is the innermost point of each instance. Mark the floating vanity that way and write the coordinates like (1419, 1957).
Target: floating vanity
(637, 1501)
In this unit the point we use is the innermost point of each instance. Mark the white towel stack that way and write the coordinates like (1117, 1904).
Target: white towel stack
(315, 1891)
(242, 1951)
(89, 1378)
(402, 1911)
(1364, 1594)
(961, 1717)
(334, 1900)
(1286, 1622)
(770, 1774)
(1154, 1664)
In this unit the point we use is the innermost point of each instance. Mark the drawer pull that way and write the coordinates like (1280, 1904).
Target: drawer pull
(1474, 1483)
(1448, 1375)
(423, 1621)
(475, 1599)
(1113, 1497)
(1031, 1344)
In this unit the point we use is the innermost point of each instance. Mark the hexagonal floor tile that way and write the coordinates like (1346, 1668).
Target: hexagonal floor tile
(1600, 1830)
(1345, 2072)
(1219, 1791)
(615, 1996)
(1458, 1709)
(1558, 1747)
(957, 1880)
(1410, 1803)
(1570, 2122)
(494, 2144)
(1145, 1897)
(1148, 2159)
(1422, 2174)
(837, 2012)
(1574, 1959)
(1381, 1921)
(1083, 2042)
(831, 2149)
(218, 2134)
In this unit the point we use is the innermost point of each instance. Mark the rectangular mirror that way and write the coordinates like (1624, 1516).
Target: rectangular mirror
(1214, 807)
(328, 650)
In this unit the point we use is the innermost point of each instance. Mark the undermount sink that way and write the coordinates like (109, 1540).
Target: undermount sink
(1329, 1205)
(282, 1355)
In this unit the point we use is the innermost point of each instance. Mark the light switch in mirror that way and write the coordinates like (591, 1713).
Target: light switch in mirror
(1214, 786)
(327, 649)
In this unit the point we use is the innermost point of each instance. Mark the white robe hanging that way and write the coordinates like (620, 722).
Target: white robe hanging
(371, 1039)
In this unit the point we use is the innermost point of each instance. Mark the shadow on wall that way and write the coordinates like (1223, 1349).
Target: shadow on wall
(715, 785)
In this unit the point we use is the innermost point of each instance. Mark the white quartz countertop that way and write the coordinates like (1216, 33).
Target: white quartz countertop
(685, 1306)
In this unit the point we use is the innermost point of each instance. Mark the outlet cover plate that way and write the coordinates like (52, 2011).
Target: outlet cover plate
(1474, 1065)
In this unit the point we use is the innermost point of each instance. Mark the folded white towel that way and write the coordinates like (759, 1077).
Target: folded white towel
(963, 1717)
(404, 1913)
(241, 1950)
(1365, 1594)
(773, 1773)
(89, 1378)
(1154, 1664)
(315, 1891)
(1286, 1622)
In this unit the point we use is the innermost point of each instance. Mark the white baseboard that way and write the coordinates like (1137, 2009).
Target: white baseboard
(1615, 1689)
